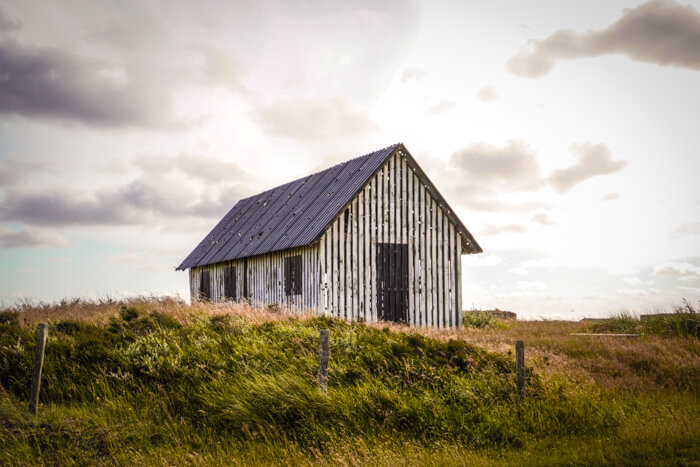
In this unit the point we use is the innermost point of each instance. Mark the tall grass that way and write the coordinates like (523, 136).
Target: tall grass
(158, 381)
(684, 321)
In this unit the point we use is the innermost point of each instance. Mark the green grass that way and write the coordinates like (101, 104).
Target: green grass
(150, 387)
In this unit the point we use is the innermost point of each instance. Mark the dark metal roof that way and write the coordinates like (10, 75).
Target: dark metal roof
(297, 213)
(288, 216)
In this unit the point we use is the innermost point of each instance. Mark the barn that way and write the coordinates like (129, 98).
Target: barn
(369, 239)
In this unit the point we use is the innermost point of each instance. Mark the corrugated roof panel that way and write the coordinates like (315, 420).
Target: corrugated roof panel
(319, 222)
(286, 216)
(299, 227)
(267, 210)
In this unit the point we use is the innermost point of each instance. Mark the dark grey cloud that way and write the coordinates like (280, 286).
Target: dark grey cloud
(144, 201)
(52, 83)
(593, 160)
(168, 188)
(30, 237)
(204, 168)
(685, 230)
(8, 24)
(659, 31)
(311, 120)
(15, 170)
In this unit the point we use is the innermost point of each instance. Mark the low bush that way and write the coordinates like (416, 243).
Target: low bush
(478, 319)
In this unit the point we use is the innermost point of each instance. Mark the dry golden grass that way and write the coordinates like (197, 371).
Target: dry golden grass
(642, 363)
(100, 312)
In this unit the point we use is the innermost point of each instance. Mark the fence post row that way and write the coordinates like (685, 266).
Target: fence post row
(41, 332)
(520, 366)
(323, 357)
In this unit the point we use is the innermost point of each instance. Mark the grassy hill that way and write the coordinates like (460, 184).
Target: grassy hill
(156, 381)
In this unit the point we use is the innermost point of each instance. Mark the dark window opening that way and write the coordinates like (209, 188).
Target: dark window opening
(292, 275)
(204, 286)
(392, 282)
(230, 283)
(347, 220)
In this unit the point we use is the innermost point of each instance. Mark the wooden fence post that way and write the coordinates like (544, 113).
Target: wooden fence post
(323, 357)
(41, 332)
(520, 366)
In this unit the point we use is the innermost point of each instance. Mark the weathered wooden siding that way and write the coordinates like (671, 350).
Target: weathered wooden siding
(265, 279)
(340, 270)
(394, 207)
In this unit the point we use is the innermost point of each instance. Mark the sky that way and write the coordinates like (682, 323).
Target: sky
(564, 134)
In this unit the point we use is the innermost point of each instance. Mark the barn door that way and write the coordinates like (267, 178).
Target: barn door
(392, 282)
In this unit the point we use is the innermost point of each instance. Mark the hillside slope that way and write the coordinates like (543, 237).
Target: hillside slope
(162, 382)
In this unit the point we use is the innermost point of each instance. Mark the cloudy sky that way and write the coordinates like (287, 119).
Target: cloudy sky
(565, 135)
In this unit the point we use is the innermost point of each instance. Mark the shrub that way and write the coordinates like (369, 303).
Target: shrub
(478, 319)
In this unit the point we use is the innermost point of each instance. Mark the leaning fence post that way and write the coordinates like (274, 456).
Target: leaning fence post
(41, 332)
(323, 356)
(520, 366)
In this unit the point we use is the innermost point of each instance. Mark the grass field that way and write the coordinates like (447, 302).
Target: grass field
(157, 381)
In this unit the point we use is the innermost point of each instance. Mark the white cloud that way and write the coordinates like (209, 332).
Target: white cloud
(487, 94)
(313, 120)
(442, 107)
(542, 218)
(684, 230)
(609, 197)
(632, 280)
(413, 74)
(622, 270)
(531, 285)
(593, 160)
(484, 260)
(519, 270)
(676, 269)
(490, 229)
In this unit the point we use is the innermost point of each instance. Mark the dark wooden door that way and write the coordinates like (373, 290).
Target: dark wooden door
(392, 282)
(204, 286)
(230, 283)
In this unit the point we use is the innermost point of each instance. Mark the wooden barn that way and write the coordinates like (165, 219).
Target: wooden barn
(368, 239)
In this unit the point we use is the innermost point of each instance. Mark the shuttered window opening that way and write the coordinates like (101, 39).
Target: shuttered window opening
(204, 286)
(392, 282)
(292, 275)
(230, 283)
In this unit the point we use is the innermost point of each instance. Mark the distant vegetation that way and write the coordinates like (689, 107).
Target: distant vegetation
(683, 322)
(162, 382)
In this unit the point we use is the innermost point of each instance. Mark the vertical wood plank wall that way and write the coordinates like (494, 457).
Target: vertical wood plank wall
(265, 278)
(339, 272)
(394, 207)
